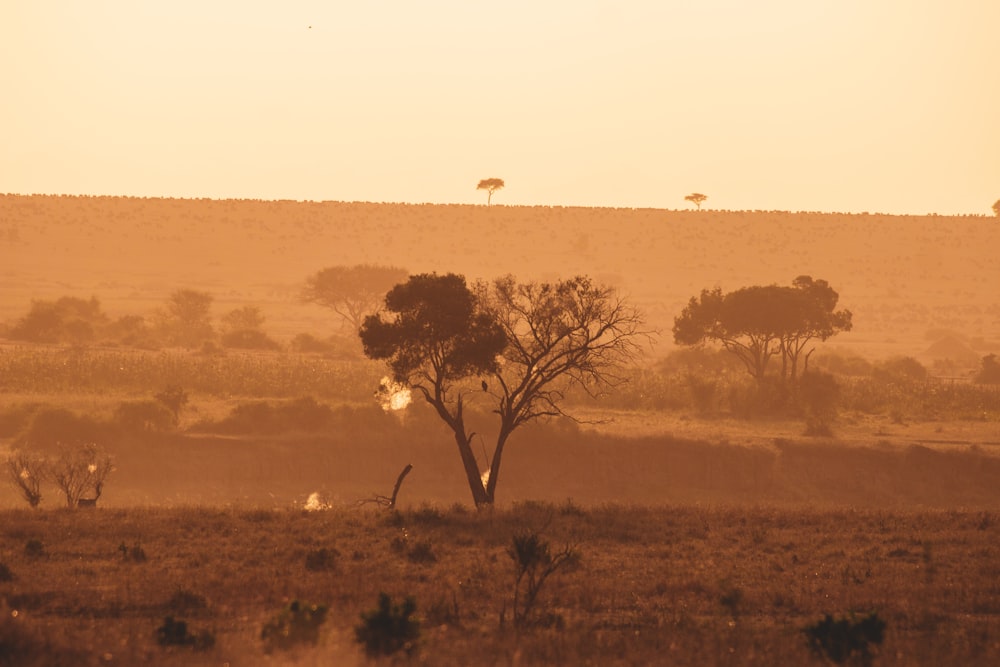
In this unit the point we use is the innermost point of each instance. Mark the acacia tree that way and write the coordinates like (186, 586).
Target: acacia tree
(352, 291)
(532, 341)
(813, 302)
(760, 322)
(571, 333)
(433, 336)
(187, 320)
(696, 198)
(491, 185)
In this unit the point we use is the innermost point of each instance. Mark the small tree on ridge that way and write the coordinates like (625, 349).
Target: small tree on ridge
(491, 185)
(696, 198)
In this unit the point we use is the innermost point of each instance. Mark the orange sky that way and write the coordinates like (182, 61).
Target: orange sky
(821, 105)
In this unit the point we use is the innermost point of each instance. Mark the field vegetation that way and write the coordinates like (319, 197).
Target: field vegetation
(684, 585)
(696, 514)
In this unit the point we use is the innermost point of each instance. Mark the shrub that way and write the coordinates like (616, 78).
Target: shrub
(175, 633)
(843, 638)
(5, 573)
(27, 471)
(322, 560)
(34, 548)
(296, 623)
(175, 398)
(989, 372)
(819, 395)
(145, 415)
(389, 628)
(422, 552)
(52, 429)
(79, 470)
(534, 563)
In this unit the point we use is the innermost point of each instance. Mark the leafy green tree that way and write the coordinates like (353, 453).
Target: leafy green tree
(532, 342)
(491, 185)
(353, 292)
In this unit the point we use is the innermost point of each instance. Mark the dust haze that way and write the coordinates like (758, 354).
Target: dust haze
(921, 289)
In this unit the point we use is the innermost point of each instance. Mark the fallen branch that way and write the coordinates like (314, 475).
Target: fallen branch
(389, 502)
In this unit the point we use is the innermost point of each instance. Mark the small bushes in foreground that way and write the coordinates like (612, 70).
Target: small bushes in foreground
(297, 623)
(389, 628)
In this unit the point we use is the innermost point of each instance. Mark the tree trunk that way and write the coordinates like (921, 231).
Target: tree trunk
(472, 473)
(491, 485)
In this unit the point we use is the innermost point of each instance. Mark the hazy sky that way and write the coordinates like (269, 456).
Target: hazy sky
(830, 105)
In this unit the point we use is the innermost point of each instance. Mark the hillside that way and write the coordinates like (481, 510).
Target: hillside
(909, 280)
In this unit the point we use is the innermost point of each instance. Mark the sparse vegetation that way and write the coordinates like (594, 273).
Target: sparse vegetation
(740, 532)
(846, 638)
(297, 623)
(390, 627)
(652, 577)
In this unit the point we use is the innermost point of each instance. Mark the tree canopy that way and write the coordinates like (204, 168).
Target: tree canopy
(527, 343)
(759, 322)
(352, 291)
(67, 319)
(432, 336)
(491, 185)
(696, 198)
(996, 208)
(187, 320)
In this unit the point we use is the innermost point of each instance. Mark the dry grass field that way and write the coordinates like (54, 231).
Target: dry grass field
(682, 585)
(902, 276)
(705, 535)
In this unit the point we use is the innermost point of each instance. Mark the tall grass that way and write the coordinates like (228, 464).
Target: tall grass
(48, 370)
(654, 585)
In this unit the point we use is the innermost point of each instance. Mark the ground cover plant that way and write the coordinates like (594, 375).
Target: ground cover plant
(680, 585)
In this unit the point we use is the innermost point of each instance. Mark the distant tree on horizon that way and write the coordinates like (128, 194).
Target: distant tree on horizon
(996, 208)
(696, 198)
(491, 185)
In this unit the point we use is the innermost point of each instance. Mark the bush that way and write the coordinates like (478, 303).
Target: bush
(302, 414)
(322, 560)
(297, 623)
(145, 415)
(819, 395)
(175, 633)
(249, 339)
(989, 373)
(843, 638)
(52, 429)
(389, 628)
(901, 370)
(534, 563)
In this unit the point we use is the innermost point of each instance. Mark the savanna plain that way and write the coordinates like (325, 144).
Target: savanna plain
(690, 516)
